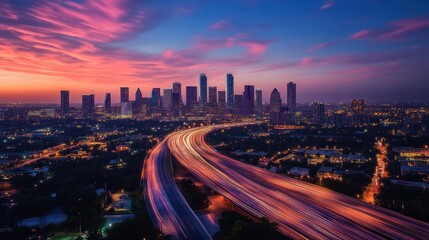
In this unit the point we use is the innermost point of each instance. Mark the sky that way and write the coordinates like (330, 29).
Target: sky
(334, 50)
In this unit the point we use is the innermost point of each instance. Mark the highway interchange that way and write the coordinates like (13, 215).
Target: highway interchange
(301, 210)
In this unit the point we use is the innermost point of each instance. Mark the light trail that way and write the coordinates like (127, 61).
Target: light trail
(302, 210)
(167, 206)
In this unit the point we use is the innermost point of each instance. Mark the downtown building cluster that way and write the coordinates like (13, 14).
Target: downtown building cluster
(204, 101)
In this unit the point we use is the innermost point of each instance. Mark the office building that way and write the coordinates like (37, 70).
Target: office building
(177, 88)
(318, 112)
(108, 103)
(125, 94)
(191, 96)
(258, 103)
(127, 109)
(139, 96)
(155, 100)
(65, 102)
(221, 98)
(213, 96)
(230, 90)
(248, 100)
(291, 97)
(88, 105)
(203, 88)
(175, 102)
(167, 99)
(275, 107)
(238, 103)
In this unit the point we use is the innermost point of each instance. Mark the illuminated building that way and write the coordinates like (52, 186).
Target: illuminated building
(358, 105)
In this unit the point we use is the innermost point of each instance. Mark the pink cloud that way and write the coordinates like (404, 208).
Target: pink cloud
(254, 47)
(72, 42)
(397, 29)
(361, 34)
(220, 25)
(328, 4)
(319, 46)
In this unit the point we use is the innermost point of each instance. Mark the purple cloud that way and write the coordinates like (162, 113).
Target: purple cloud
(220, 25)
(319, 46)
(396, 30)
(328, 4)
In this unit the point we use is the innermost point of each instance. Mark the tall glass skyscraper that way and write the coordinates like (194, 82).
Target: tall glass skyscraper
(230, 90)
(258, 103)
(291, 97)
(275, 106)
(125, 94)
(191, 96)
(177, 88)
(88, 105)
(213, 95)
(65, 102)
(248, 100)
(203, 88)
(108, 103)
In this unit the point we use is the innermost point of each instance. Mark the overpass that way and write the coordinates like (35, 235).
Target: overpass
(301, 210)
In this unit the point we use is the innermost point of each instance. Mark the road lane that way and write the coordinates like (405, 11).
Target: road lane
(301, 209)
(167, 206)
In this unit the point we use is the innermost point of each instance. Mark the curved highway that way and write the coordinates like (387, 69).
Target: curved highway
(302, 210)
(167, 207)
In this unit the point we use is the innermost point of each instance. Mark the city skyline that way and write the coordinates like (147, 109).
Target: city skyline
(333, 56)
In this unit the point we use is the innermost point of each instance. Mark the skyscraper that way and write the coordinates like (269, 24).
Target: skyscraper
(88, 105)
(155, 97)
(191, 96)
(177, 88)
(248, 100)
(213, 96)
(291, 97)
(318, 112)
(221, 98)
(275, 106)
(358, 106)
(258, 103)
(125, 94)
(238, 103)
(65, 102)
(108, 103)
(139, 96)
(175, 102)
(203, 88)
(230, 90)
(167, 99)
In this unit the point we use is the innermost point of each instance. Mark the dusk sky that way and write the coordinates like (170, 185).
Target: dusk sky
(377, 50)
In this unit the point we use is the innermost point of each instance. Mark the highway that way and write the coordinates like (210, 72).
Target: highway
(302, 210)
(167, 207)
